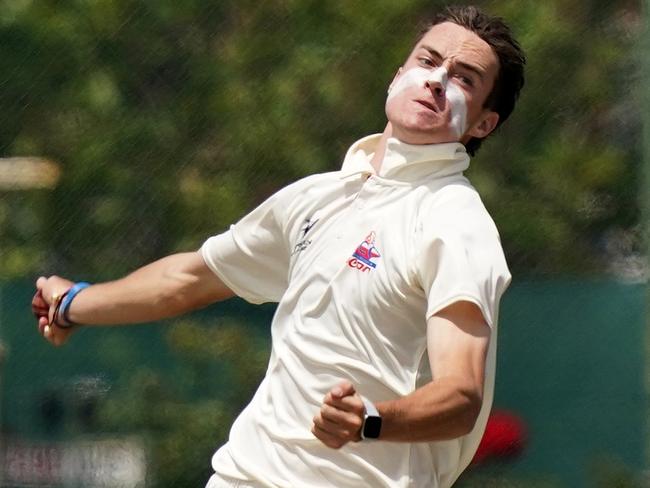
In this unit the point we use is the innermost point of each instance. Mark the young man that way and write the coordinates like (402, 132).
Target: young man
(387, 274)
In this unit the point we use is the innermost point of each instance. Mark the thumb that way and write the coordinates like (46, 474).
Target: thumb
(343, 389)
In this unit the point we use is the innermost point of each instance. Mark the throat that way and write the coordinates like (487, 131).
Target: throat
(380, 150)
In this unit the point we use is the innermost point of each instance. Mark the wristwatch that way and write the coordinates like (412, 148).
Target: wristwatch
(371, 427)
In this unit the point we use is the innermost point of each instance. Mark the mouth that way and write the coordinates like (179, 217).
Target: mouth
(427, 104)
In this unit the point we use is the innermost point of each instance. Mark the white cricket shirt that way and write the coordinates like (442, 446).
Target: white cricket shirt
(358, 262)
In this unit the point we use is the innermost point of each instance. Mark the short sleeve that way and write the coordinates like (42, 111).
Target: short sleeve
(461, 259)
(252, 257)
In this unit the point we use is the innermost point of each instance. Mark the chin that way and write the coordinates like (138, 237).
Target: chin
(418, 134)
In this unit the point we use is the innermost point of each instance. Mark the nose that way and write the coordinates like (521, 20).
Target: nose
(437, 81)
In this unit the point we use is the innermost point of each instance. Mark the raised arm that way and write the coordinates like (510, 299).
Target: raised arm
(165, 288)
(445, 408)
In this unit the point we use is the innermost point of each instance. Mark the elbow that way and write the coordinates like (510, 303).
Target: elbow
(471, 408)
(179, 290)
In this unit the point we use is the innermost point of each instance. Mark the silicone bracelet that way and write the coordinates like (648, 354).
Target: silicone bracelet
(67, 301)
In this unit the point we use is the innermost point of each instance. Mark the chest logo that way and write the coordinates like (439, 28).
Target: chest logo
(304, 242)
(366, 252)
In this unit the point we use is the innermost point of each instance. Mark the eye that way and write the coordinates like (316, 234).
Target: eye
(424, 61)
(465, 80)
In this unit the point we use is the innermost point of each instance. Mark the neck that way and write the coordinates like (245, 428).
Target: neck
(380, 150)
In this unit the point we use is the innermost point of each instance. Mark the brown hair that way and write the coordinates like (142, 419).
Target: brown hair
(494, 31)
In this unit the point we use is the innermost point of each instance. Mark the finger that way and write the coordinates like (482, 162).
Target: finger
(40, 282)
(37, 300)
(59, 336)
(50, 314)
(347, 424)
(39, 312)
(37, 307)
(344, 388)
(42, 322)
(326, 438)
(352, 403)
(341, 425)
(335, 415)
(329, 426)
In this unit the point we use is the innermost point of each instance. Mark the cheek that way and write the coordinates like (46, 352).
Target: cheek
(412, 78)
(397, 109)
(458, 104)
(392, 105)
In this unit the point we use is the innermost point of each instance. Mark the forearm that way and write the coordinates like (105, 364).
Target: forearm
(440, 410)
(446, 408)
(165, 288)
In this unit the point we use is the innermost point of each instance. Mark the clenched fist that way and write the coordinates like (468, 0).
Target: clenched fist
(48, 292)
(340, 417)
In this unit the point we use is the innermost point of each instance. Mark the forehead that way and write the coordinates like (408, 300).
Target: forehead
(453, 41)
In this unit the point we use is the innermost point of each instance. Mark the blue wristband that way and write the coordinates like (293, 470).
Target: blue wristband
(67, 300)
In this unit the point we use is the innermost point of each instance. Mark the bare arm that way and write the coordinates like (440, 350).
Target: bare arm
(165, 288)
(445, 408)
(448, 406)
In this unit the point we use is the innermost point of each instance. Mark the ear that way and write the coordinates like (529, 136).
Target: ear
(485, 125)
(399, 72)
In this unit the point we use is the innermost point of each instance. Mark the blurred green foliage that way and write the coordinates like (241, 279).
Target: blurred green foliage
(610, 473)
(185, 412)
(172, 119)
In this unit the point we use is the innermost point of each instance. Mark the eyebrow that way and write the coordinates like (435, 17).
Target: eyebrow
(462, 64)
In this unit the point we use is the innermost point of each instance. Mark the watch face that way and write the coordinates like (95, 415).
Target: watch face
(372, 427)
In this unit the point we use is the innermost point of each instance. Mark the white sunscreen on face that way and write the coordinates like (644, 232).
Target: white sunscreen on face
(419, 77)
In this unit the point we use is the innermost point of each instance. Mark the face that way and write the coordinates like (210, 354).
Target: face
(439, 92)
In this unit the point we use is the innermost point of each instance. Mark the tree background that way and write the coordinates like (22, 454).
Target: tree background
(171, 119)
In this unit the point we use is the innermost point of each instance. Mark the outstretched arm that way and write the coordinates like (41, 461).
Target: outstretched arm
(445, 408)
(165, 288)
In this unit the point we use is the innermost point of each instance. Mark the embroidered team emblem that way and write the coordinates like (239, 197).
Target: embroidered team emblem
(362, 258)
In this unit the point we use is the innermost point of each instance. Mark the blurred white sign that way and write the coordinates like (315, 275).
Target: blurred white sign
(88, 464)
(27, 173)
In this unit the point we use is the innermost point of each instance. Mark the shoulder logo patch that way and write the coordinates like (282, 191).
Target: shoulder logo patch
(362, 258)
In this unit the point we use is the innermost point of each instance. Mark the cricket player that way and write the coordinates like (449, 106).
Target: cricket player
(387, 274)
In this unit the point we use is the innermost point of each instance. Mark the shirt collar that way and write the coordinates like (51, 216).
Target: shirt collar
(405, 161)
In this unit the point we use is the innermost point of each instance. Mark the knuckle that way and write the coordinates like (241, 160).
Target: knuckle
(327, 411)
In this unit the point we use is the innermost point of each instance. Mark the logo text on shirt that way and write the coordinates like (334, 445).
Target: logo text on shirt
(304, 242)
(362, 257)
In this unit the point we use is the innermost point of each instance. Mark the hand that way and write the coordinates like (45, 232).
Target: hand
(43, 303)
(340, 418)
